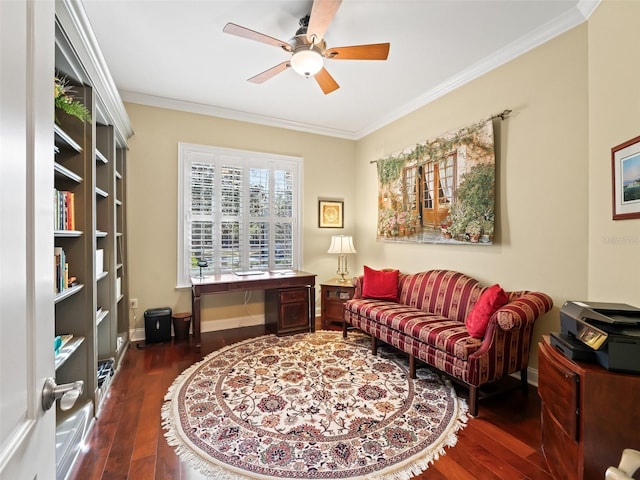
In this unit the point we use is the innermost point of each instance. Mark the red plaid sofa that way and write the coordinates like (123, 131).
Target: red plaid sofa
(428, 323)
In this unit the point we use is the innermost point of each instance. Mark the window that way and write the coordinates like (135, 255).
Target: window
(237, 211)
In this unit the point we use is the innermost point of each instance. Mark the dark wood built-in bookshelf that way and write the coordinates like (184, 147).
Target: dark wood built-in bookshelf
(90, 298)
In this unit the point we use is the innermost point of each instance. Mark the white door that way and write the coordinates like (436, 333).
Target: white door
(27, 433)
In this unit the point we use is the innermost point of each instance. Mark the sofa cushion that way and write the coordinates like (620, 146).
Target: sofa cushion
(489, 302)
(441, 333)
(443, 292)
(380, 284)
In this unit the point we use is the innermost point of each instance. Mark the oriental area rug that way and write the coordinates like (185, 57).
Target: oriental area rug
(310, 406)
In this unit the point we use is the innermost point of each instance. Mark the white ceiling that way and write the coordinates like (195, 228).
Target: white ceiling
(174, 54)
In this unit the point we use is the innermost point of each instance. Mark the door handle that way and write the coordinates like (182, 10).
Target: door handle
(67, 393)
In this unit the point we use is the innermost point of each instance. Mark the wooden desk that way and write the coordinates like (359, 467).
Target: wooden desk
(228, 283)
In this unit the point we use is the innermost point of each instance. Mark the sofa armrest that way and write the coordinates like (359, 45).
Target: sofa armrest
(524, 309)
(357, 282)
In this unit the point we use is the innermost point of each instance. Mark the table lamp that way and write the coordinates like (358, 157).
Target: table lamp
(342, 245)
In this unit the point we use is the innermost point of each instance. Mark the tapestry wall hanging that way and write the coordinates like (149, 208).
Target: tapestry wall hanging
(440, 191)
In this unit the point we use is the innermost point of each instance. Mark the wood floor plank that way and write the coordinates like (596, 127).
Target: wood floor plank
(451, 469)
(146, 435)
(127, 440)
(503, 451)
(119, 459)
(143, 468)
(470, 448)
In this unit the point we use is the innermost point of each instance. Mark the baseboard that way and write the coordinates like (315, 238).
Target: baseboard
(532, 376)
(137, 334)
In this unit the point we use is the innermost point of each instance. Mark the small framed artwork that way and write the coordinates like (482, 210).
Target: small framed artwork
(625, 167)
(330, 214)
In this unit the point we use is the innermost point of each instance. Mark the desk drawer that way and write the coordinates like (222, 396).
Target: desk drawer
(558, 389)
(333, 310)
(291, 295)
(287, 310)
(294, 316)
(562, 452)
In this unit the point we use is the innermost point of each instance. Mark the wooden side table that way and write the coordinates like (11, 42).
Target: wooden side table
(334, 294)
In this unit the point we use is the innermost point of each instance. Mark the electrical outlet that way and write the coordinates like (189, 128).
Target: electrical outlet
(134, 303)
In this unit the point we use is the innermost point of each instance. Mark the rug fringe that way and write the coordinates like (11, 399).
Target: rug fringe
(406, 471)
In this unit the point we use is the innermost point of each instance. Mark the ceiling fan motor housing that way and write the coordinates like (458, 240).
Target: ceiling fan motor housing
(304, 25)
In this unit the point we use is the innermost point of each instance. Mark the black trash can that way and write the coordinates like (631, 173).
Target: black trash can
(157, 325)
(181, 325)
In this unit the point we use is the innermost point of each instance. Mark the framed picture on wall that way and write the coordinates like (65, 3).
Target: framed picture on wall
(625, 166)
(330, 214)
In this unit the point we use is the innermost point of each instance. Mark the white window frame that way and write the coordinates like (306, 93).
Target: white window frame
(187, 153)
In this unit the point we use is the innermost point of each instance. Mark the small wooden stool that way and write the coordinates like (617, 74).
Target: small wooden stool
(181, 325)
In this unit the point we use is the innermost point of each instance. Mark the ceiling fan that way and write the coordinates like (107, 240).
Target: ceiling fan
(308, 48)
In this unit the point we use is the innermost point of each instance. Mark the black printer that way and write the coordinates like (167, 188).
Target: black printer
(607, 333)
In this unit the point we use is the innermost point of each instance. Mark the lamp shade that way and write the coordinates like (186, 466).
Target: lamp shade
(341, 244)
(307, 62)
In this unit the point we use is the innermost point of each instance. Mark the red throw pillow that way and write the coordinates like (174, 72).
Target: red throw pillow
(380, 284)
(489, 302)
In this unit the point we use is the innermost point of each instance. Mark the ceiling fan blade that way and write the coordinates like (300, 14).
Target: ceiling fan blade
(326, 81)
(322, 13)
(244, 32)
(272, 72)
(374, 51)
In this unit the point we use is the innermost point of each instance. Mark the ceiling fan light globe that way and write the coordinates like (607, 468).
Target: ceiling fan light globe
(306, 62)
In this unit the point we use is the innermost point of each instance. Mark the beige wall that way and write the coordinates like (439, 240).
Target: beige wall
(614, 109)
(573, 98)
(542, 161)
(152, 204)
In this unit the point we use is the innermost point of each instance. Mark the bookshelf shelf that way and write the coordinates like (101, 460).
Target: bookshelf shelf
(101, 193)
(67, 351)
(65, 173)
(67, 233)
(69, 292)
(64, 140)
(101, 315)
(101, 158)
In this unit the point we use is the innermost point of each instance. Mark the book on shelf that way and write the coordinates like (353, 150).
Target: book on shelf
(64, 210)
(60, 341)
(61, 271)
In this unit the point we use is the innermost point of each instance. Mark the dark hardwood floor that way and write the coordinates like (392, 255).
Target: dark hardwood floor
(127, 440)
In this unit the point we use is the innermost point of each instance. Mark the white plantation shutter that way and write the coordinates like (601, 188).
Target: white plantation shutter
(237, 211)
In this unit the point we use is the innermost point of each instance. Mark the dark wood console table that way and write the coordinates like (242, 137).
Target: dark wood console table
(227, 283)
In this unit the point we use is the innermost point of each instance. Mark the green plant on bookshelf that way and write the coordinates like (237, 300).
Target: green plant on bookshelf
(63, 99)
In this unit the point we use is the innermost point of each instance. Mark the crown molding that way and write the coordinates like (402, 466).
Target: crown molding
(72, 18)
(213, 111)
